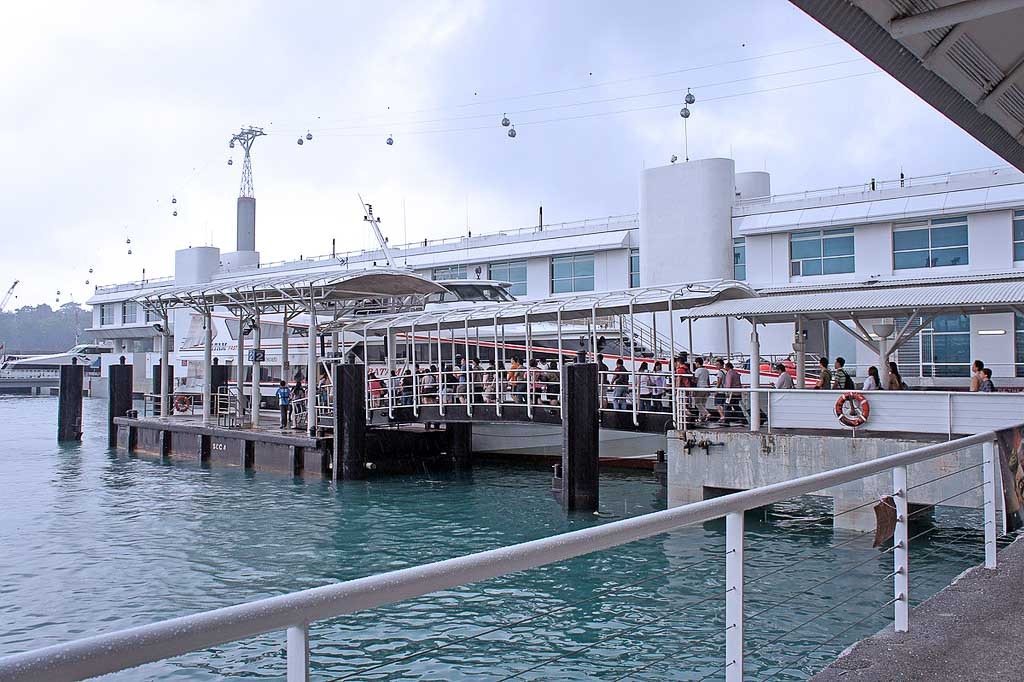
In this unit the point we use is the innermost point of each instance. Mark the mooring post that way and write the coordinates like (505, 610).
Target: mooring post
(69, 403)
(460, 444)
(156, 386)
(349, 460)
(580, 468)
(120, 397)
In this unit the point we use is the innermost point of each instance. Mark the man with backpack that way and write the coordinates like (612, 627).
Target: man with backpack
(284, 401)
(841, 381)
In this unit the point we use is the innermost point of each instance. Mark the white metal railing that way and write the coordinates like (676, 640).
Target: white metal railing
(294, 612)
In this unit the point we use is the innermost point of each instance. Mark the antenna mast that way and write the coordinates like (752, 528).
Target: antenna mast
(245, 137)
(375, 222)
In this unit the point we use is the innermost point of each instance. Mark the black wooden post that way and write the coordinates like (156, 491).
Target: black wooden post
(460, 444)
(69, 403)
(349, 460)
(156, 386)
(120, 397)
(580, 467)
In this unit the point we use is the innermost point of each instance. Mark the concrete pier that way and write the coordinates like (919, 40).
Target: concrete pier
(968, 631)
(69, 408)
(119, 396)
(709, 462)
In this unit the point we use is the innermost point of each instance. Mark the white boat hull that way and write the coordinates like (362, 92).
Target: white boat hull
(546, 440)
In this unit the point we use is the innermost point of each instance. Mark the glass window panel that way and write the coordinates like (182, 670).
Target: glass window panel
(1018, 251)
(561, 268)
(949, 236)
(839, 231)
(740, 272)
(838, 246)
(910, 259)
(794, 268)
(949, 221)
(944, 257)
(805, 249)
(584, 266)
(811, 267)
(584, 284)
(903, 240)
(952, 323)
(561, 286)
(1018, 230)
(518, 289)
(833, 266)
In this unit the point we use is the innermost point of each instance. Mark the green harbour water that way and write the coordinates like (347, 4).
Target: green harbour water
(93, 541)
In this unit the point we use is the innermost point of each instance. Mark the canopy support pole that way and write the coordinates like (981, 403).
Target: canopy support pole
(256, 397)
(207, 368)
(165, 379)
(755, 378)
(311, 383)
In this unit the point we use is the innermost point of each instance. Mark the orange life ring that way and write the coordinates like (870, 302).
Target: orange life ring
(859, 409)
(183, 403)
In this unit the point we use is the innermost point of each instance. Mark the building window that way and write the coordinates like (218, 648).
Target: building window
(106, 314)
(821, 252)
(1018, 338)
(151, 315)
(946, 347)
(1018, 235)
(739, 258)
(511, 271)
(128, 312)
(450, 272)
(934, 244)
(572, 273)
(634, 268)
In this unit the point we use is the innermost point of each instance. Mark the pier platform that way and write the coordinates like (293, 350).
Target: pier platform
(968, 631)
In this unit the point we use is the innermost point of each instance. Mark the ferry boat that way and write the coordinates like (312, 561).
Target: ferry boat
(86, 354)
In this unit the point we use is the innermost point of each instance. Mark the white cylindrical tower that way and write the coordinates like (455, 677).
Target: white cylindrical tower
(686, 236)
(686, 222)
(753, 185)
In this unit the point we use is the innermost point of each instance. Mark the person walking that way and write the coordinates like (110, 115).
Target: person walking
(986, 385)
(824, 375)
(785, 379)
(895, 378)
(643, 380)
(298, 404)
(702, 380)
(841, 381)
(284, 402)
(732, 380)
(720, 397)
(657, 382)
(873, 382)
(976, 375)
(620, 386)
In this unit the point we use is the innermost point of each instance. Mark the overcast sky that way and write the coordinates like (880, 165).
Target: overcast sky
(110, 109)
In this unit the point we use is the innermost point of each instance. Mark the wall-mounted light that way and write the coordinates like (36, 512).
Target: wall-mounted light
(991, 332)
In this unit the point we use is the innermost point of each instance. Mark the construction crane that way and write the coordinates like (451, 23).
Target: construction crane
(7, 296)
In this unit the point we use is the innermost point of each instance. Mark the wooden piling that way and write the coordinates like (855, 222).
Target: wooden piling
(349, 462)
(460, 444)
(580, 437)
(120, 397)
(69, 403)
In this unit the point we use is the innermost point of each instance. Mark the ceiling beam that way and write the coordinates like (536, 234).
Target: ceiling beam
(957, 13)
(989, 100)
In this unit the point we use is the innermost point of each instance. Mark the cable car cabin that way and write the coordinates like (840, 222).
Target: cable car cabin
(463, 293)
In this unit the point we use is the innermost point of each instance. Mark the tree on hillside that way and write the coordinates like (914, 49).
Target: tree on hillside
(42, 329)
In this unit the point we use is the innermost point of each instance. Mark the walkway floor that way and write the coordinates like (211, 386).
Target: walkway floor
(968, 631)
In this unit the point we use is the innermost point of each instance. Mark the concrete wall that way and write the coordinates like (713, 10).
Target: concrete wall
(746, 460)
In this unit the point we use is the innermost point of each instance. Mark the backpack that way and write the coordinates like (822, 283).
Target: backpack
(848, 383)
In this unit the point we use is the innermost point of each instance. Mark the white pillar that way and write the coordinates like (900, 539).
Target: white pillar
(165, 383)
(311, 374)
(734, 597)
(207, 368)
(800, 346)
(755, 378)
(256, 369)
(240, 366)
(284, 347)
(883, 331)
(901, 552)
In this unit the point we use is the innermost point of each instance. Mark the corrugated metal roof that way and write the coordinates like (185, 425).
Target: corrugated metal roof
(677, 297)
(885, 301)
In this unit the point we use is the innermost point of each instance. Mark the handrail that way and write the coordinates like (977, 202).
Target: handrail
(111, 652)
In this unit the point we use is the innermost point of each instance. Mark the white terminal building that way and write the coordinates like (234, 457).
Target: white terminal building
(701, 220)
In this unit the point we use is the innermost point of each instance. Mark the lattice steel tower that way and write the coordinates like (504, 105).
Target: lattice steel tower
(246, 137)
(246, 211)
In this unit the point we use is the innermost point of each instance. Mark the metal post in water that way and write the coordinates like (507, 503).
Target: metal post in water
(119, 397)
(69, 402)
(901, 551)
(580, 441)
(734, 597)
